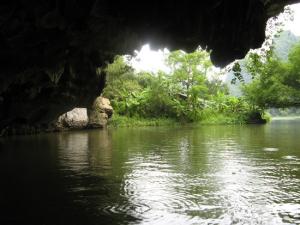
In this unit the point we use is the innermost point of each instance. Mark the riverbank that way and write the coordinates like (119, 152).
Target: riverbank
(212, 119)
(286, 118)
(125, 121)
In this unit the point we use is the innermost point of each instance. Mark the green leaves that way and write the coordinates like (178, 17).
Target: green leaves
(184, 94)
(237, 73)
(275, 82)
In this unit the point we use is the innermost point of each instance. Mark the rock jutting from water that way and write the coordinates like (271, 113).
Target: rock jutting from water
(82, 118)
(100, 113)
(75, 119)
(78, 118)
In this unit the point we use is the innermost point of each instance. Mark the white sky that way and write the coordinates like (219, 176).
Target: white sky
(153, 61)
(294, 26)
(150, 60)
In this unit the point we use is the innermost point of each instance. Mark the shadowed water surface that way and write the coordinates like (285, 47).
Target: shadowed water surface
(204, 175)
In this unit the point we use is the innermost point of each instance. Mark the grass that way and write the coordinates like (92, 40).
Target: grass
(220, 119)
(124, 121)
(208, 119)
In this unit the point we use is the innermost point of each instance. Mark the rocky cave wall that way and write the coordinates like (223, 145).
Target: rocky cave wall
(52, 51)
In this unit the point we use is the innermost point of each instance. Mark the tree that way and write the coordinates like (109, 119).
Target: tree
(190, 70)
(275, 82)
(121, 86)
(274, 27)
(184, 94)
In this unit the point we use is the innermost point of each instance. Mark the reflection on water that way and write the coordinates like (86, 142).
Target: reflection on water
(73, 151)
(83, 152)
(206, 175)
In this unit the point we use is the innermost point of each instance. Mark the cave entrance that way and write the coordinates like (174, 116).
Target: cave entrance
(149, 65)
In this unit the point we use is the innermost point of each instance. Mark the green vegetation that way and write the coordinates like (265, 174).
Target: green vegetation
(276, 82)
(126, 121)
(184, 95)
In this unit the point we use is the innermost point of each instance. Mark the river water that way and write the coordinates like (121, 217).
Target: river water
(177, 175)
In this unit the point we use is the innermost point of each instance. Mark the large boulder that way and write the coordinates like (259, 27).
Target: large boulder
(100, 112)
(74, 119)
(102, 105)
(80, 118)
(97, 120)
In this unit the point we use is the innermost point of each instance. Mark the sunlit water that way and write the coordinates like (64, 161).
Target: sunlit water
(205, 175)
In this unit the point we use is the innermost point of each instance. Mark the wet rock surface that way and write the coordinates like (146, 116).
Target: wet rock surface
(100, 112)
(81, 118)
(74, 119)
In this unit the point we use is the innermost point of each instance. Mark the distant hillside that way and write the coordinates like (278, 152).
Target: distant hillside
(283, 43)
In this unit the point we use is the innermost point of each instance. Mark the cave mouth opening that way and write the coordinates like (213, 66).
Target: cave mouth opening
(51, 53)
(153, 60)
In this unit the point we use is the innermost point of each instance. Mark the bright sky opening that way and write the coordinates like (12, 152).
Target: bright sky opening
(150, 60)
(294, 26)
(153, 61)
